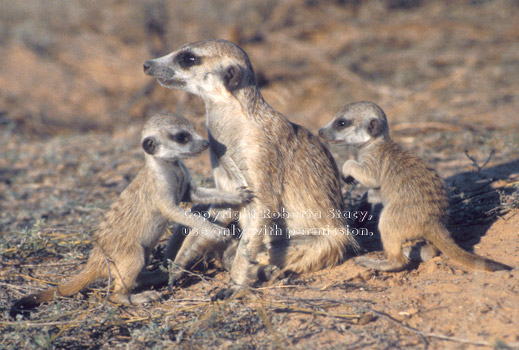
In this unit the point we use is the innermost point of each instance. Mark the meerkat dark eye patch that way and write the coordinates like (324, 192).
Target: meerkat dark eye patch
(181, 137)
(149, 145)
(342, 123)
(187, 59)
(232, 77)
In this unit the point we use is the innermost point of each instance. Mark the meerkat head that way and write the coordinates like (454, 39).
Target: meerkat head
(356, 124)
(170, 137)
(212, 69)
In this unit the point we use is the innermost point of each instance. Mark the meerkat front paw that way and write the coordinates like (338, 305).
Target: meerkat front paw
(245, 194)
(345, 173)
(350, 180)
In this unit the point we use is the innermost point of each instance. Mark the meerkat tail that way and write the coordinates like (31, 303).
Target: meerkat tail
(444, 242)
(85, 277)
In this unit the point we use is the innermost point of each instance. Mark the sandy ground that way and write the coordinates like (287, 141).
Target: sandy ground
(447, 74)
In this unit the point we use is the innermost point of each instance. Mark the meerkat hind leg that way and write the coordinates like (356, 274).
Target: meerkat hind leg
(160, 275)
(421, 252)
(125, 273)
(396, 261)
(381, 265)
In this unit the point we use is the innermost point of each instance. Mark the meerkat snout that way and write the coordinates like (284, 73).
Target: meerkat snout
(198, 147)
(205, 144)
(146, 66)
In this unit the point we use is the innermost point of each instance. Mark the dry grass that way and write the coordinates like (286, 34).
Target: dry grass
(446, 72)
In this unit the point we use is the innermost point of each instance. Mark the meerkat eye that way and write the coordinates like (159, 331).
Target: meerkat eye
(342, 123)
(181, 137)
(187, 59)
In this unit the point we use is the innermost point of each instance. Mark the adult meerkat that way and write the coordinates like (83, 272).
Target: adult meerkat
(413, 195)
(135, 222)
(290, 172)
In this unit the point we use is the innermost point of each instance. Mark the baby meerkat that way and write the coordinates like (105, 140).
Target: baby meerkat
(135, 222)
(413, 195)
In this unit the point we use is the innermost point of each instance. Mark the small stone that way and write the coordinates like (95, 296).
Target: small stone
(395, 282)
(412, 311)
(409, 312)
(366, 318)
(485, 309)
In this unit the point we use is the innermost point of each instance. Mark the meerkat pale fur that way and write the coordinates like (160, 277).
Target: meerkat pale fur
(135, 222)
(413, 195)
(288, 169)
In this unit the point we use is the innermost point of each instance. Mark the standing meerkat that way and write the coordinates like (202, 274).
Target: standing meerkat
(135, 222)
(413, 195)
(291, 173)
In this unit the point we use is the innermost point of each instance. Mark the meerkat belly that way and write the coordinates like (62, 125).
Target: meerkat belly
(223, 177)
(178, 185)
(150, 233)
(228, 178)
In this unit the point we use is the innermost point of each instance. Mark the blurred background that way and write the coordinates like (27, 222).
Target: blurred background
(73, 66)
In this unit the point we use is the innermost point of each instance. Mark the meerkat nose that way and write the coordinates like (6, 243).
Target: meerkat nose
(205, 143)
(146, 66)
(321, 132)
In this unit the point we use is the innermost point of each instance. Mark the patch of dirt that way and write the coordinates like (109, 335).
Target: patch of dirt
(72, 102)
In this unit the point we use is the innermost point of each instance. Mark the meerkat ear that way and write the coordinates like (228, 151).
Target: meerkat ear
(375, 127)
(149, 145)
(232, 77)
